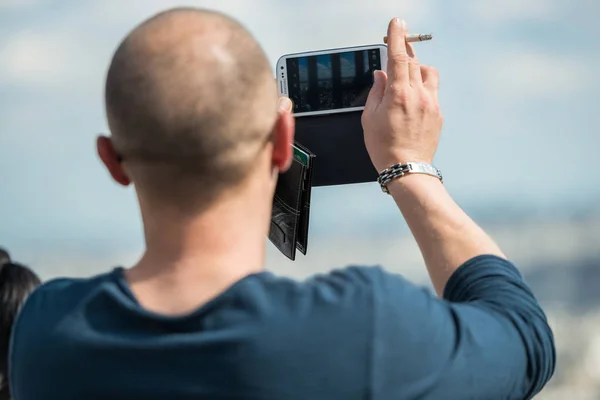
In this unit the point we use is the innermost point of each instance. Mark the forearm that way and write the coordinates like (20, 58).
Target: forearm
(446, 235)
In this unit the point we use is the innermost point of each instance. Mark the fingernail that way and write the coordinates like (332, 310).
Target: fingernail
(375, 76)
(397, 21)
(284, 103)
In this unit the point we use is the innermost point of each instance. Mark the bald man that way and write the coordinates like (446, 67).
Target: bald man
(197, 129)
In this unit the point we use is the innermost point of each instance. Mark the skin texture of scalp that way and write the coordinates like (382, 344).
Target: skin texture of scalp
(190, 102)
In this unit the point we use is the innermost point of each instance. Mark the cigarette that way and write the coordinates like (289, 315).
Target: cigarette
(413, 37)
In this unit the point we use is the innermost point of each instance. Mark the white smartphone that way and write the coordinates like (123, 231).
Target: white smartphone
(330, 81)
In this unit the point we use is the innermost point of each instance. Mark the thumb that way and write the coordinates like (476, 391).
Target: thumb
(285, 104)
(377, 91)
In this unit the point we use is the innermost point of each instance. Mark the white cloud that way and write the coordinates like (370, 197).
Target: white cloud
(75, 45)
(324, 70)
(494, 11)
(16, 4)
(34, 58)
(536, 75)
(348, 68)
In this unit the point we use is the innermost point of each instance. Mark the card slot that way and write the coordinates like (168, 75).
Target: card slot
(284, 228)
(288, 208)
(289, 186)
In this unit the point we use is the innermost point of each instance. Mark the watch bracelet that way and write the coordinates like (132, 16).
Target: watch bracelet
(400, 169)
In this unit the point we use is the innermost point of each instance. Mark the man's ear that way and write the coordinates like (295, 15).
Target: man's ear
(283, 138)
(111, 160)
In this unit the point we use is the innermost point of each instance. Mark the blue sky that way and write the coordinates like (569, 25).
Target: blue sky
(519, 91)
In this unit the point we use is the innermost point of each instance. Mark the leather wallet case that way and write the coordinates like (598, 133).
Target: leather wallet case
(337, 140)
(302, 238)
(291, 208)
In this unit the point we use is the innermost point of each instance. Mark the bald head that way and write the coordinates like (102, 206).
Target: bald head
(190, 102)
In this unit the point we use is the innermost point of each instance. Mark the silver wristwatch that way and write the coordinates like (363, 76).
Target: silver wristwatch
(399, 170)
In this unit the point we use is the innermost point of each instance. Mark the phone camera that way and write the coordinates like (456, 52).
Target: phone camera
(282, 67)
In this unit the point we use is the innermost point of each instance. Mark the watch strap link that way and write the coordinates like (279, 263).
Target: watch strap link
(399, 170)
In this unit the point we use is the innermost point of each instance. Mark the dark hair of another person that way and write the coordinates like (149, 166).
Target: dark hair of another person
(16, 283)
(4, 256)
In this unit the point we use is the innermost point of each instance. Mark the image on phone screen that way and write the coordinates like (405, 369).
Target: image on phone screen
(333, 81)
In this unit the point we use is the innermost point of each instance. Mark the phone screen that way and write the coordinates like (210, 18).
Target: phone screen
(331, 81)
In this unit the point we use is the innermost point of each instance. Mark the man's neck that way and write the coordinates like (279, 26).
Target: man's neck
(190, 259)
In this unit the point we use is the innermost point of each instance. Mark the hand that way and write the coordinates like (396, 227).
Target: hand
(402, 119)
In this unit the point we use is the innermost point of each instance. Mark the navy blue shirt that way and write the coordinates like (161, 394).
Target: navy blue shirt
(357, 333)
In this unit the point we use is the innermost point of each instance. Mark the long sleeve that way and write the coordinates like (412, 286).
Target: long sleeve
(488, 338)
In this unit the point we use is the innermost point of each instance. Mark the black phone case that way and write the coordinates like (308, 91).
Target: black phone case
(337, 141)
(291, 209)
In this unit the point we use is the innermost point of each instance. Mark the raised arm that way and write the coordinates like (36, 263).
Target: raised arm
(488, 338)
(402, 123)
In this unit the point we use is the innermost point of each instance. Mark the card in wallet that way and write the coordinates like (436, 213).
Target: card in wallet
(338, 142)
(291, 205)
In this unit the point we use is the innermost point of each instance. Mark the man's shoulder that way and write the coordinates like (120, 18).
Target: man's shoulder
(348, 279)
(54, 297)
(335, 294)
(61, 288)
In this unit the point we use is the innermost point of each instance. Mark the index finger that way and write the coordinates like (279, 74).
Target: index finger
(398, 59)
